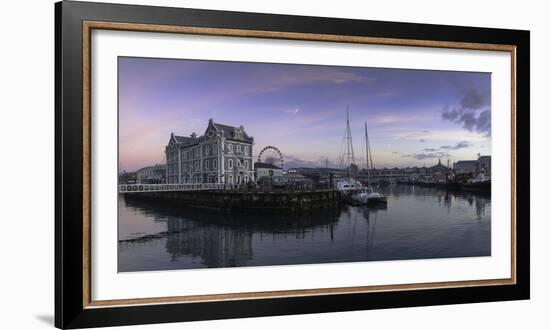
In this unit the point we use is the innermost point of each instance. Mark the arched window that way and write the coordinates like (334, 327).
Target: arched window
(215, 164)
(230, 164)
(206, 164)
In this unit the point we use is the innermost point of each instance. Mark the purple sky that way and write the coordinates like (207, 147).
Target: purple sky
(414, 116)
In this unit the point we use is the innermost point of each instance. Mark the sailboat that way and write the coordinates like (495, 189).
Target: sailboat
(367, 195)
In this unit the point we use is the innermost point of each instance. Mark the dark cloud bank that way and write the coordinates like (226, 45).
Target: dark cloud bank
(473, 113)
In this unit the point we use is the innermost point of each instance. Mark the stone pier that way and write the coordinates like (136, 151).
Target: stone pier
(238, 201)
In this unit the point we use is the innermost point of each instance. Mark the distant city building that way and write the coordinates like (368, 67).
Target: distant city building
(484, 165)
(268, 170)
(395, 174)
(439, 167)
(297, 178)
(316, 171)
(223, 154)
(481, 165)
(353, 170)
(152, 174)
(127, 177)
(465, 166)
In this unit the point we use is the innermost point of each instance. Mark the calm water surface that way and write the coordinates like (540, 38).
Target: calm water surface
(417, 223)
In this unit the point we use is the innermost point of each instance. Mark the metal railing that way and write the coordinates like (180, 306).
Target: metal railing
(138, 188)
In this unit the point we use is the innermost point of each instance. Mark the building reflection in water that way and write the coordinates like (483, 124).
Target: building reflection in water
(479, 200)
(227, 239)
(418, 223)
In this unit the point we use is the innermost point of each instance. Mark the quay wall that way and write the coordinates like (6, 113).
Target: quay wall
(237, 201)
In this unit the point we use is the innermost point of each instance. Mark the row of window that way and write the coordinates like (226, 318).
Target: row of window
(208, 150)
(230, 179)
(238, 164)
(208, 165)
(196, 153)
(239, 148)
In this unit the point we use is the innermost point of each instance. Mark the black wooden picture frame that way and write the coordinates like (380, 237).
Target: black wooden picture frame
(72, 172)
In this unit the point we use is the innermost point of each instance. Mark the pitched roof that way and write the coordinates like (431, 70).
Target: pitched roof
(228, 132)
(185, 139)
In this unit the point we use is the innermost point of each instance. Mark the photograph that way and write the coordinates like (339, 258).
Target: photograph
(233, 163)
(245, 164)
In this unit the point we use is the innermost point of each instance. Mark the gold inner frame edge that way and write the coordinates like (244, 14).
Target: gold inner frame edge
(88, 26)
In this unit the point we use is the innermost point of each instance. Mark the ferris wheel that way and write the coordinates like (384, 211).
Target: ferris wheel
(271, 155)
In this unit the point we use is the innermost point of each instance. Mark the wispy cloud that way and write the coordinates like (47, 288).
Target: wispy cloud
(438, 135)
(459, 145)
(427, 155)
(387, 93)
(398, 116)
(416, 134)
(293, 111)
(269, 80)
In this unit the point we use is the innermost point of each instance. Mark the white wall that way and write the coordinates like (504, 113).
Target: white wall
(26, 135)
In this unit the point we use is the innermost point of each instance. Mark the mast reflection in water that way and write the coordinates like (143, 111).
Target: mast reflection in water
(418, 223)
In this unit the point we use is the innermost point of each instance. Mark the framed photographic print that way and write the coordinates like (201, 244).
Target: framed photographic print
(218, 164)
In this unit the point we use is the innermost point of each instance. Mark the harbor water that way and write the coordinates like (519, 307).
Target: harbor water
(418, 223)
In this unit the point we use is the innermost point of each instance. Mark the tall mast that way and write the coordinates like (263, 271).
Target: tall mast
(346, 152)
(350, 154)
(367, 153)
(367, 146)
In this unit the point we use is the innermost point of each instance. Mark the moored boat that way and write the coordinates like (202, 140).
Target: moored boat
(368, 196)
(479, 182)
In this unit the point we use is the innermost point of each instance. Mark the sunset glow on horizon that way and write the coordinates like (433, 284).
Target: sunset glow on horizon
(415, 117)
